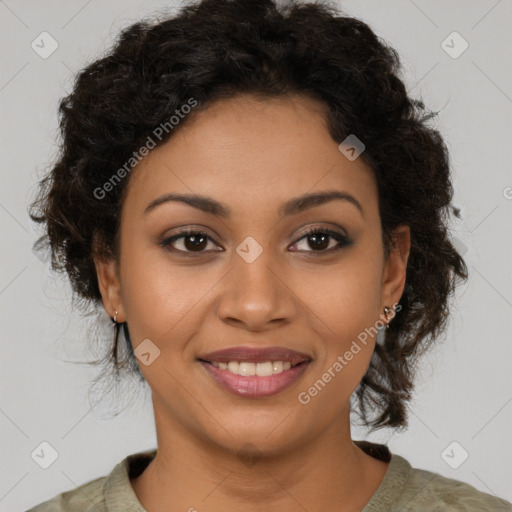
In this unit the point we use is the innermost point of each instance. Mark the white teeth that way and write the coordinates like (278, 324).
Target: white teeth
(233, 367)
(277, 366)
(247, 369)
(264, 369)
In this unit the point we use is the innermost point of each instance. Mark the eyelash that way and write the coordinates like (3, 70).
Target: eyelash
(342, 240)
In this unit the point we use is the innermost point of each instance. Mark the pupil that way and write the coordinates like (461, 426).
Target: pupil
(196, 242)
(320, 241)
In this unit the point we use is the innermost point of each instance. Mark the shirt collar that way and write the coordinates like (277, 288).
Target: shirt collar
(119, 493)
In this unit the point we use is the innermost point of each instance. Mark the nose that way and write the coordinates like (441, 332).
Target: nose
(256, 295)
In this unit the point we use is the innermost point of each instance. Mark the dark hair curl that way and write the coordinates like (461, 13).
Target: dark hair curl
(215, 49)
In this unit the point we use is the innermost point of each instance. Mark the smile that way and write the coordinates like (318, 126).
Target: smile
(255, 380)
(263, 369)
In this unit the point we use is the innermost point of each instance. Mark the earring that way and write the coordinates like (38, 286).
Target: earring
(116, 337)
(387, 311)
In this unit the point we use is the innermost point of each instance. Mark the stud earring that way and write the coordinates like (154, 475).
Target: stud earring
(387, 311)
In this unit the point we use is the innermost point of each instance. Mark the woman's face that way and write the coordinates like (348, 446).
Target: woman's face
(251, 277)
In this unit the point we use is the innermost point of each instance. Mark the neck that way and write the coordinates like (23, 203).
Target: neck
(190, 473)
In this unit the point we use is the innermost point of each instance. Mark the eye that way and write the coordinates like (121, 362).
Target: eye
(192, 242)
(188, 241)
(322, 240)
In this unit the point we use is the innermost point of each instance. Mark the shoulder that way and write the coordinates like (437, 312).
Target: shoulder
(87, 497)
(428, 491)
(104, 494)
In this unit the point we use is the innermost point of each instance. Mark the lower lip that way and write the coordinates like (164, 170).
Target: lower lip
(253, 386)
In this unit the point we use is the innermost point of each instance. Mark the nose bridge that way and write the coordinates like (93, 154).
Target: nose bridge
(254, 293)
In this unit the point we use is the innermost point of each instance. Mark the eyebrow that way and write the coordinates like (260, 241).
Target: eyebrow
(291, 207)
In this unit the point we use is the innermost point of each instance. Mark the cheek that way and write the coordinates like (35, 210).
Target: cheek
(157, 295)
(346, 300)
(162, 304)
(346, 296)
(348, 309)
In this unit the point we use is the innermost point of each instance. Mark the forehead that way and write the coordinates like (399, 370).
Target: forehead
(246, 150)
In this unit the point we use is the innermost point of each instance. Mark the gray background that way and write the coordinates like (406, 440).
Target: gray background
(464, 390)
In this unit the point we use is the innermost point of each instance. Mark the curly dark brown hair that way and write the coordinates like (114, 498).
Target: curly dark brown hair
(215, 49)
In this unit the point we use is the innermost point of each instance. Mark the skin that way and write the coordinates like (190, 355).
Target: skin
(253, 155)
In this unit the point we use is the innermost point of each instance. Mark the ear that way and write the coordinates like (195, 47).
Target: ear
(110, 287)
(395, 266)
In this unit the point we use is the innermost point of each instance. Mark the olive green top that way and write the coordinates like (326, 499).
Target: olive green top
(404, 489)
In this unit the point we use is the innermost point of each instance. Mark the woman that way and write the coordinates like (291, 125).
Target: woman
(250, 194)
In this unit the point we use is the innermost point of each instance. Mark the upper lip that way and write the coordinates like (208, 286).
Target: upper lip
(255, 355)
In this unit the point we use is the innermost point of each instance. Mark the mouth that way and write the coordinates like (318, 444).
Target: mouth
(245, 354)
(255, 373)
